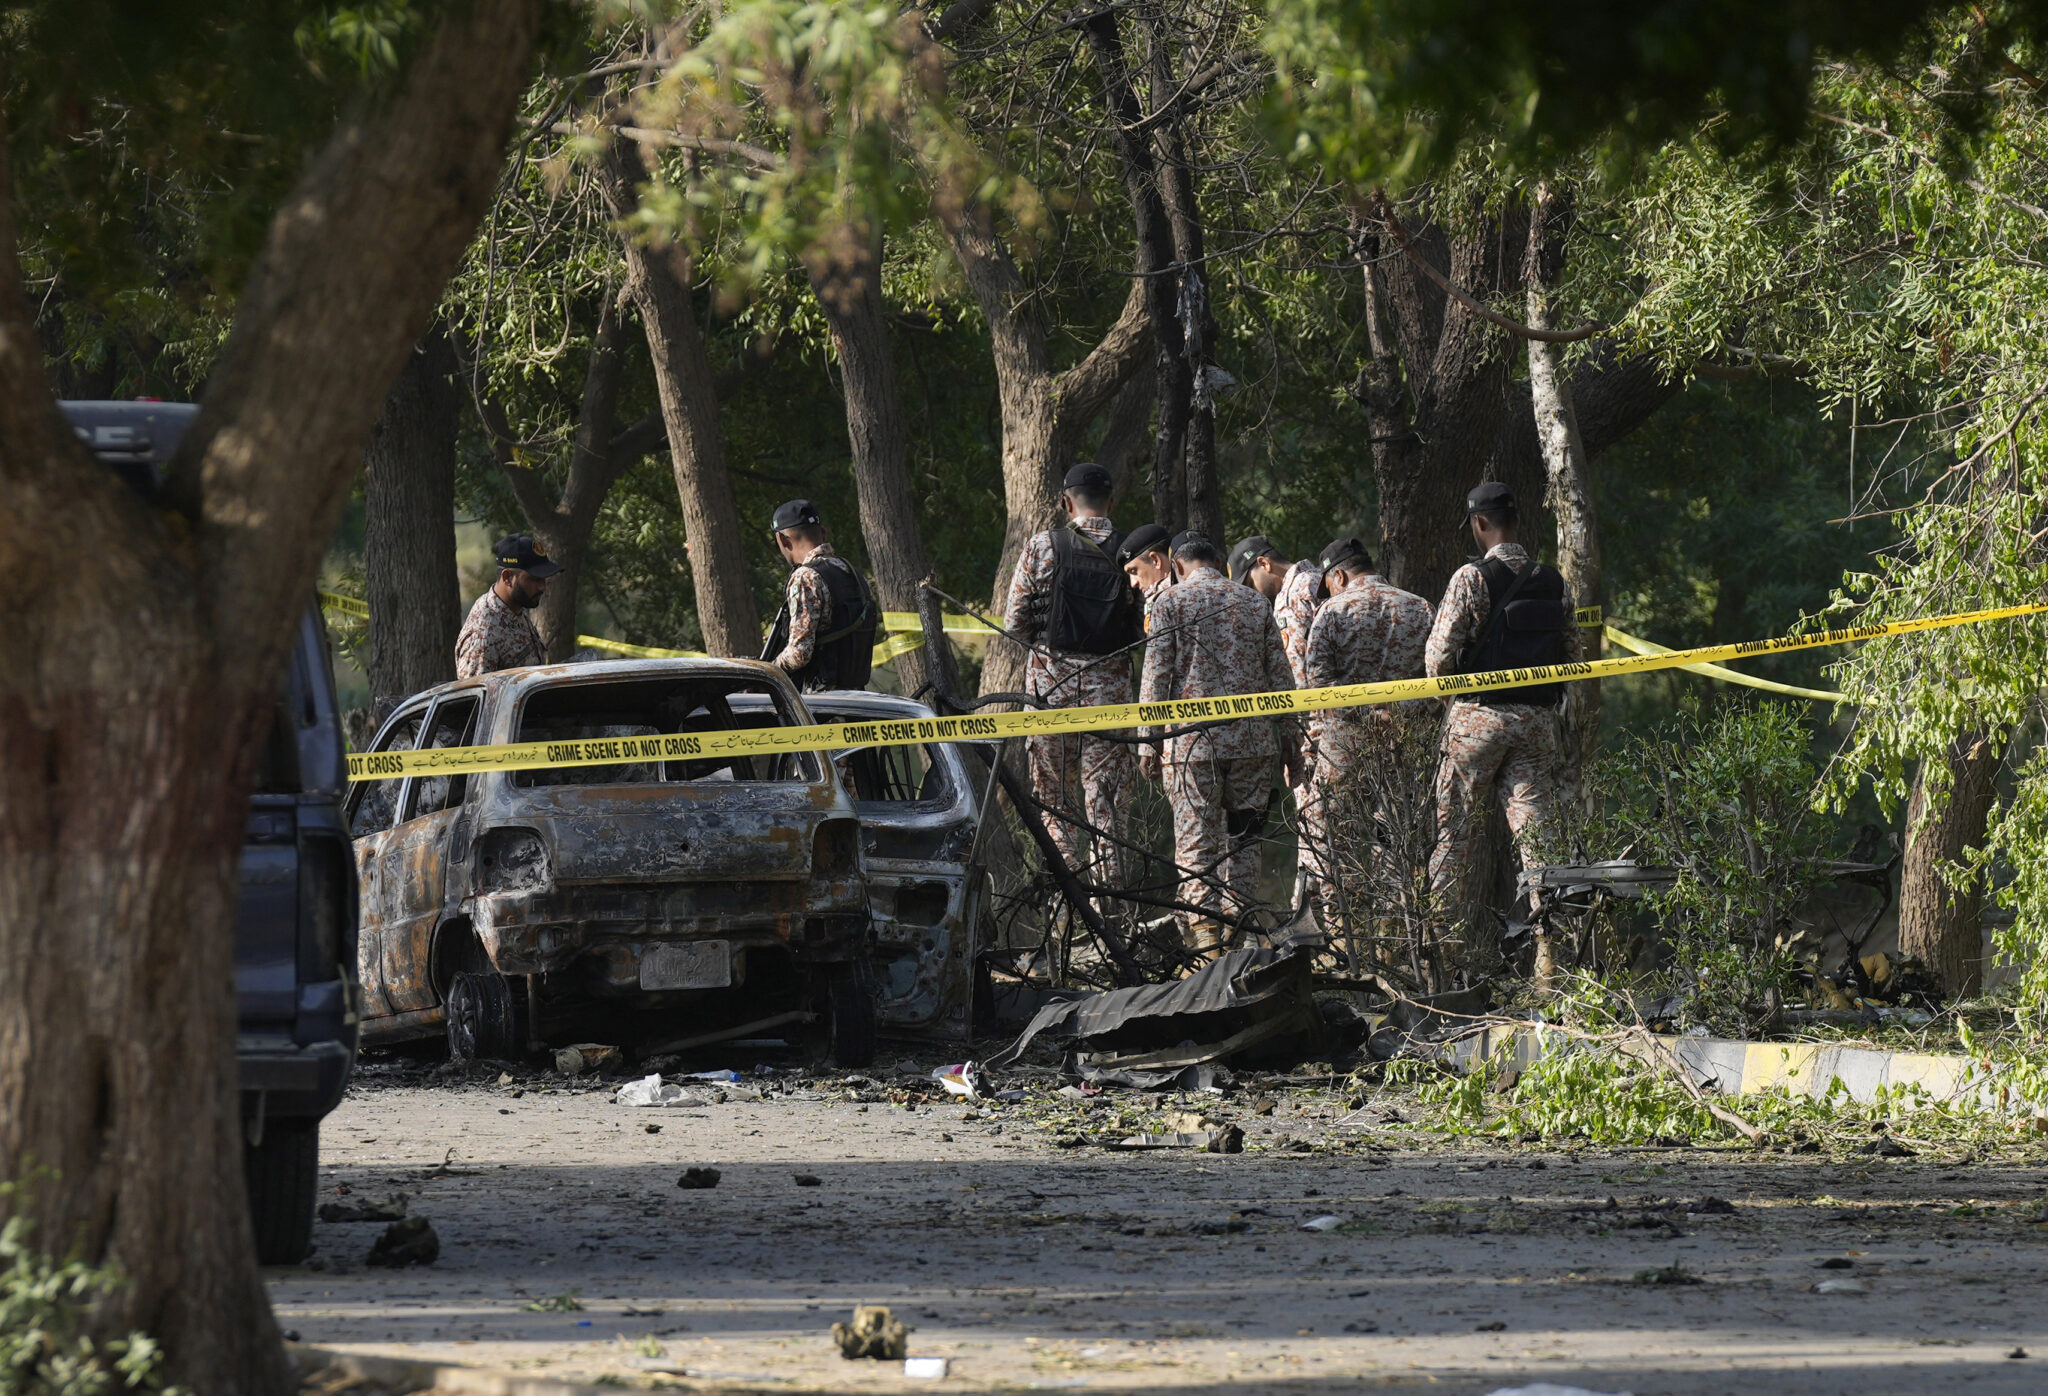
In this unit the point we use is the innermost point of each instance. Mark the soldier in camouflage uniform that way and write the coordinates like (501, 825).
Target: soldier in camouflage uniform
(1501, 744)
(499, 631)
(1368, 631)
(1296, 589)
(1146, 559)
(822, 640)
(1080, 776)
(1211, 638)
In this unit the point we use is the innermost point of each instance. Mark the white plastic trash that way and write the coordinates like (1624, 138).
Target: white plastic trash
(653, 1091)
(1551, 1388)
(1325, 1223)
(961, 1079)
(930, 1367)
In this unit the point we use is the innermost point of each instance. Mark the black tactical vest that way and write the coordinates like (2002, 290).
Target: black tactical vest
(1094, 609)
(1526, 621)
(844, 656)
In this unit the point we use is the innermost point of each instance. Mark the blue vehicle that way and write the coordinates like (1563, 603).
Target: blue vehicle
(295, 934)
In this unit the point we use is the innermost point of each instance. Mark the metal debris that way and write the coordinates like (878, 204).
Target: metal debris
(873, 1333)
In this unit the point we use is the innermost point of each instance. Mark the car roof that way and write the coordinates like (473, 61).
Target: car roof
(511, 682)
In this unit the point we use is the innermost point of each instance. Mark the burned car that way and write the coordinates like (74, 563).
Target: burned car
(666, 903)
(925, 844)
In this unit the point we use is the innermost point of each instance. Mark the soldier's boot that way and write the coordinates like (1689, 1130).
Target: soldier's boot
(1205, 940)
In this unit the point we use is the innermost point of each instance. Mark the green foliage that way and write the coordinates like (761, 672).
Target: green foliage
(1572, 1091)
(1724, 799)
(47, 1347)
(1390, 91)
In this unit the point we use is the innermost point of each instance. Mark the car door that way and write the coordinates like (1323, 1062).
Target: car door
(373, 808)
(416, 857)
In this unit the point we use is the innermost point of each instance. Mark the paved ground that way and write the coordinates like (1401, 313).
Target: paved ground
(1033, 1265)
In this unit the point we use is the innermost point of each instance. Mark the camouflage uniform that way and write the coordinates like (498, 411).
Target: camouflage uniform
(496, 636)
(1211, 637)
(1152, 594)
(1078, 774)
(1294, 611)
(1512, 746)
(1369, 632)
(810, 608)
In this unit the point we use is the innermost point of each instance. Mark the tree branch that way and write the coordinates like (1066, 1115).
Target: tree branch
(1383, 212)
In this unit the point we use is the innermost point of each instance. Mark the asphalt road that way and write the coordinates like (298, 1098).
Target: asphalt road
(568, 1249)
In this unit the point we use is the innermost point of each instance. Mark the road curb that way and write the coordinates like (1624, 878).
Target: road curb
(1736, 1067)
(332, 1373)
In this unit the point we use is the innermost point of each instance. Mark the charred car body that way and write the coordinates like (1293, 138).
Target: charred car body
(925, 838)
(665, 902)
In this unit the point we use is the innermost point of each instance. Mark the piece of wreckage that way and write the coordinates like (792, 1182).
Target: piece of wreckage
(1250, 1005)
(666, 903)
(1847, 982)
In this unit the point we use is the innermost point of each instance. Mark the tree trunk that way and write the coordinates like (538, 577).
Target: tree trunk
(658, 278)
(1570, 487)
(1951, 803)
(1043, 413)
(146, 647)
(1124, 435)
(563, 528)
(1197, 327)
(409, 529)
(851, 298)
(1173, 385)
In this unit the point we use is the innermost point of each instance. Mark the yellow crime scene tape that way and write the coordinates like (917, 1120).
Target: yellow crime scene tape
(1715, 671)
(832, 736)
(903, 630)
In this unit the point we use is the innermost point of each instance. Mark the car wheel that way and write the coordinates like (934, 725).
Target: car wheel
(486, 1018)
(845, 1030)
(282, 1174)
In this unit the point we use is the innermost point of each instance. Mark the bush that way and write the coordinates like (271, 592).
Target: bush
(46, 1342)
(1725, 799)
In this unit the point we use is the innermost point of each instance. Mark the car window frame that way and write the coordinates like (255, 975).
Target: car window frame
(788, 706)
(409, 797)
(423, 707)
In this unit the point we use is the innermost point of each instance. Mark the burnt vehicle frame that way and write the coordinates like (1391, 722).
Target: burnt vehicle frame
(926, 831)
(510, 910)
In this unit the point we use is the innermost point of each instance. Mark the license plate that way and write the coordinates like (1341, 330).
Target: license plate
(699, 964)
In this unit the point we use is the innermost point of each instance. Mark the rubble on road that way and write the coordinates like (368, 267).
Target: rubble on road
(408, 1242)
(874, 1333)
(391, 1209)
(651, 1092)
(699, 1178)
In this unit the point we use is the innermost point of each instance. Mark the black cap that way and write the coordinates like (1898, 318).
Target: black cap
(1187, 536)
(1145, 538)
(517, 550)
(1490, 497)
(797, 513)
(1090, 478)
(1347, 553)
(1248, 551)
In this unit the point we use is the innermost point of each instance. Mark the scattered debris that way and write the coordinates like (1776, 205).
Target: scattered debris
(2017, 1352)
(931, 1368)
(567, 1302)
(1836, 1262)
(1496, 1326)
(1841, 1287)
(1673, 1274)
(1151, 1034)
(1228, 1140)
(651, 1128)
(410, 1241)
(587, 1056)
(961, 1079)
(390, 1210)
(1548, 1388)
(873, 1333)
(811, 1180)
(1322, 1223)
(699, 1178)
(652, 1091)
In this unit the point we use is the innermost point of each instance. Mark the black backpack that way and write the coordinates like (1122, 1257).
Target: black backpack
(1526, 622)
(1095, 609)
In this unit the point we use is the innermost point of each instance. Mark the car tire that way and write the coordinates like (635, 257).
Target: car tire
(486, 1018)
(847, 1022)
(282, 1175)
